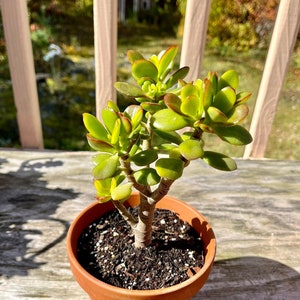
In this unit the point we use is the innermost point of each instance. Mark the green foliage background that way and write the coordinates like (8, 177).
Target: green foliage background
(238, 35)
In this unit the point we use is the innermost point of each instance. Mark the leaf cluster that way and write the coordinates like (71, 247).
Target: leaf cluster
(147, 146)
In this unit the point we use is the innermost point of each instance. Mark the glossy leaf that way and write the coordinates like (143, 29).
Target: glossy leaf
(103, 188)
(135, 112)
(122, 192)
(207, 94)
(238, 114)
(225, 99)
(151, 107)
(173, 102)
(116, 132)
(191, 149)
(145, 157)
(166, 60)
(229, 78)
(147, 176)
(179, 74)
(100, 157)
(170, 168)
(106, 168)
(242, 97)
(112, 105)
(216, 115)
(235, 135)
(191, 106)
(170, 136)
(219, 161)
(99, 145)
(134, 55)
(109, 118)
(144, 68)
(94, 127)
(129, 89)
(168, 120)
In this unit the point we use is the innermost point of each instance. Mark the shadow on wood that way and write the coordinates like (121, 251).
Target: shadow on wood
(251, 277)
(26, 216)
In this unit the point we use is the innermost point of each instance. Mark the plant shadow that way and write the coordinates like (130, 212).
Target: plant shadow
(27, 205)
(251, 277)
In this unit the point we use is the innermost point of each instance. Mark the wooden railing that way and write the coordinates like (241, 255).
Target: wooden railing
(19, 49)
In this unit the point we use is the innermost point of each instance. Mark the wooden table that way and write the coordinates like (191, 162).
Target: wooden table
(254, 211)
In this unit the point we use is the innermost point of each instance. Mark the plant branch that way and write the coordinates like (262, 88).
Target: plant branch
(128, 217)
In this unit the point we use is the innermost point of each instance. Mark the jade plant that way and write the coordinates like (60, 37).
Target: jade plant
(147, 146)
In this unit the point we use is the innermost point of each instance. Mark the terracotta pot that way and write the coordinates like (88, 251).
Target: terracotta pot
(99, 290)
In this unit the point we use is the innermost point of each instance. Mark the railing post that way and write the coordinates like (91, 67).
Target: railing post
(20, 57)
(194, 36)
(282, 44)
(105, 31)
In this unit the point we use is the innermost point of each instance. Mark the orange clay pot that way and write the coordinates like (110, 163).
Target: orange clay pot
(98, 290)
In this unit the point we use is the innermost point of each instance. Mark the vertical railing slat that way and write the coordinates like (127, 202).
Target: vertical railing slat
(105, 35)
(280, 50)
(21, 65)
(194, 36)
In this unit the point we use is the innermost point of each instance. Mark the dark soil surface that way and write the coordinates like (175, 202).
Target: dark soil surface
(106, 250)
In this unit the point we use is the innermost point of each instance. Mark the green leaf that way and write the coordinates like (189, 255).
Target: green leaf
(112, 105)
(191, 149)
(136, 113)
(179, 74)
(225, 99)
(208, 94)
(109, 118)
(103, 188)
(99, 145)
(145, 157)
(94, 127)
(216, 115)
(134, 55)
(238, 114)
(168, 120)
(191, 106)
(173, 102)
(144, 68)
(219, 161)
(122, 192)
(166, 60)
(147, 176)
(229, 78)
(116, 132)
(151, 107)
(242, 97)
(129, 89)
(235, 135)
(170, 136)
(106, 168)
(170, 168)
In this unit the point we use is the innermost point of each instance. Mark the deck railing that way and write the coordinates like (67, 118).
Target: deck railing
(19, 49)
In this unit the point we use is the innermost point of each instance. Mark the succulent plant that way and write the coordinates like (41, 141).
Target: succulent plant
(147, 146)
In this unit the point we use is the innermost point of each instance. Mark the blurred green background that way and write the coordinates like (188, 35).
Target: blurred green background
(62, 35)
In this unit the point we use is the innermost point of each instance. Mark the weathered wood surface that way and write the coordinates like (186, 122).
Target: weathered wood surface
(254, 212)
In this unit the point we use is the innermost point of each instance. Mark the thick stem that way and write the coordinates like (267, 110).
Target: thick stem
(162, 189)
(143, 230)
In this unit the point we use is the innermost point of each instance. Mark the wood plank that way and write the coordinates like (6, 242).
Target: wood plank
(105, 35)
(194, 36)
(282, 44)
(255, 219)
(20, 57)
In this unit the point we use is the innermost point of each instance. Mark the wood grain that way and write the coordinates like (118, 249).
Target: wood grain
(254, 212)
